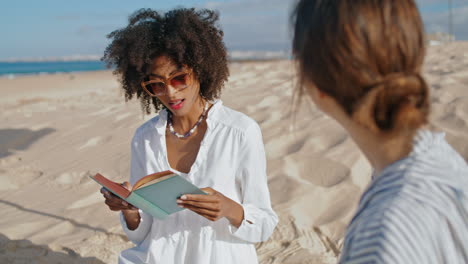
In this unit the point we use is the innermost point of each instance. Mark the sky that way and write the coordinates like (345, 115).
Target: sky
(56, 28)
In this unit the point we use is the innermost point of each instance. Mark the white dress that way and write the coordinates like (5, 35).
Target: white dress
(232, 161)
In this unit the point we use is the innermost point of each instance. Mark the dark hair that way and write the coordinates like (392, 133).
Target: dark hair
(367, 55)
(187, 36)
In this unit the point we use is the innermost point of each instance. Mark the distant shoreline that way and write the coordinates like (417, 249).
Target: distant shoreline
(229, 60)
(12, 69)
(52, 59)
(233, 54)
(14, 75)
(21, 75)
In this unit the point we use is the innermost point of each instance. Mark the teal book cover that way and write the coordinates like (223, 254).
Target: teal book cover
(155, 194)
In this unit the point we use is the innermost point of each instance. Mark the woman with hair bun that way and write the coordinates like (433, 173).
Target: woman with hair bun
(360, 62)
(176, 62)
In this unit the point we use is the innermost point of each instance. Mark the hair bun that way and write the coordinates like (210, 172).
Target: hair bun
(401, 102)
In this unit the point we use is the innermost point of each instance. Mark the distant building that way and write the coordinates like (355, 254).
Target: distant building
(439, 38)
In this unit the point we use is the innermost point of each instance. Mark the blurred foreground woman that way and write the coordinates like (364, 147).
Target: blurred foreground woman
(360, 62)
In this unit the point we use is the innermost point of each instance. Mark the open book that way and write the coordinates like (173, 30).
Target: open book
(155, 194)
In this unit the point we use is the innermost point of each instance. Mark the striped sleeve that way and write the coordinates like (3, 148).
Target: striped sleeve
(393, 235)
(415, 211)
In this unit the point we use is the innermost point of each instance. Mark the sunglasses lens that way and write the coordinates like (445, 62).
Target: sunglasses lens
(179, 81)
(156, 88)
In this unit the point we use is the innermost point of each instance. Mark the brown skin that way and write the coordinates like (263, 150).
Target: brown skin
(131, 214)
(213, 206)
(182, 154)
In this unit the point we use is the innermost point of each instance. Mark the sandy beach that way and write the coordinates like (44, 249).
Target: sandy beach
(56, 130)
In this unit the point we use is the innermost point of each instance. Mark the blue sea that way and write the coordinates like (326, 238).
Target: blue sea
(21, 68)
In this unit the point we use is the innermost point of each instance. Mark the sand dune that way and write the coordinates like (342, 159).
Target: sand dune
(56, 130)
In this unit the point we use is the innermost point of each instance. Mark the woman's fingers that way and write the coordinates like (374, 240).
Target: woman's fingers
(209, 214)
(208, 190)
(115, 203)
(112, 198)
(210, 201)
(210, 198)
(119, 206)
(212, 206)
(208, 206)
(127, 185)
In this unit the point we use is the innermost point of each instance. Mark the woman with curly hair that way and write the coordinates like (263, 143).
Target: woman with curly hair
(177, 63)
(360, 62)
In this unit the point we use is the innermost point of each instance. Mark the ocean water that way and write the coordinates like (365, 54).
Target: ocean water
(21, 68)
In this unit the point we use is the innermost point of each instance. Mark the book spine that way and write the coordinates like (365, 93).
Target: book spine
(146, 206)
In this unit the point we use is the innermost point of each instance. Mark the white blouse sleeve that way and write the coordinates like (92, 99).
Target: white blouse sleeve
(136, 171)
(259, 218)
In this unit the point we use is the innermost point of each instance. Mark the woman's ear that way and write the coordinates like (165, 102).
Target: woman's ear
(317, 95)
(322, 94)
(326, 103)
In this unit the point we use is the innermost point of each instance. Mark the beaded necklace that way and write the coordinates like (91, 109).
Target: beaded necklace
(192, 130)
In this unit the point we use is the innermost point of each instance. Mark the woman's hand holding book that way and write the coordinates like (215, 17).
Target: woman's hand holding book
(115, 203)
(213, 206)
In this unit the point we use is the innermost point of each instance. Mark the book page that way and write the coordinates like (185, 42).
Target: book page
(156, 181)
(153, 178)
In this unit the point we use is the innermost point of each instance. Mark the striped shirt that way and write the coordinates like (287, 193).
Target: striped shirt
(415, 211)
